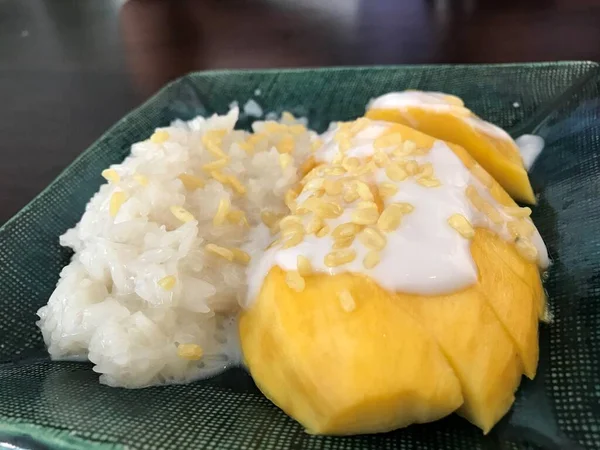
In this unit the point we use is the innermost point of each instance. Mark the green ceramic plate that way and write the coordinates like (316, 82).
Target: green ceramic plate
(46, 404)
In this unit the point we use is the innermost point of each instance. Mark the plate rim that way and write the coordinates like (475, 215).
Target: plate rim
(41, 436)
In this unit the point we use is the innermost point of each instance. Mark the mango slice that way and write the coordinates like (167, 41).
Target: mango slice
(509, 296)
(528, 272)
(478, 348)
(496, 152)
(396, 359)
(371, 370)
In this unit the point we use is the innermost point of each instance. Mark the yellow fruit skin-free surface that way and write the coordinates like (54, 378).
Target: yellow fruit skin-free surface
(371, 370)
(510, 297)
(398, 358)
(500, 157)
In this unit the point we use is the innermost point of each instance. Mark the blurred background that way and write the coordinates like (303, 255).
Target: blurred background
(71, 68)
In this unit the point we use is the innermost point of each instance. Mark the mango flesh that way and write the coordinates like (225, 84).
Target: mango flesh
(509, 296)
(478, 348)
(396, 359)
(373, 370)
(500, 157)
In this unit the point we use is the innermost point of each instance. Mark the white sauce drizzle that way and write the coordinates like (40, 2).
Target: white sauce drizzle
(435, 101)
(362, 143)
(424, 255)
(398, 100)
(530, 147)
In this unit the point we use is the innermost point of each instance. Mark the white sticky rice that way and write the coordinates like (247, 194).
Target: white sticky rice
(109, 307)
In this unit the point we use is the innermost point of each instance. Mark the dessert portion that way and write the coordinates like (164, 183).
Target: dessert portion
(372, 277)
(403, 285)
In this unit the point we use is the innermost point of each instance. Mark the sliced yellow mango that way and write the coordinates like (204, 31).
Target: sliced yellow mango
(510, 297)
(370, 370)
(478, 346)
(397, 358)
(505, 267)
(377, 368)
(525, 270)
(498, 154)
(479, 350)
